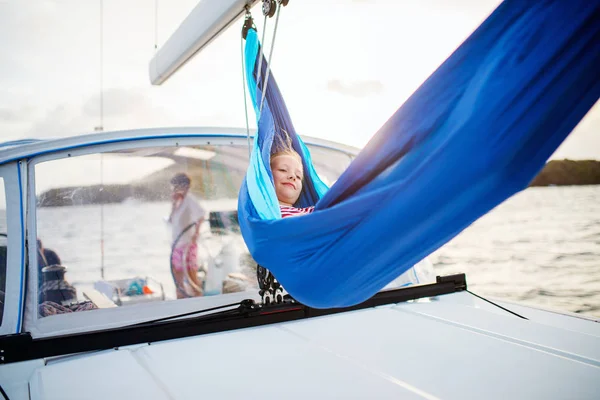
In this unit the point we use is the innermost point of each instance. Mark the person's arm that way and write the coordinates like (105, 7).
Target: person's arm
(199, 214)
(197, 229)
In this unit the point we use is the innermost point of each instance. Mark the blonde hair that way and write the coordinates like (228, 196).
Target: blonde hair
(282, 146)
(289, 152)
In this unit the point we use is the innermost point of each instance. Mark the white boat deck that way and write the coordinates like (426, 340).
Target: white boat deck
(454, 347)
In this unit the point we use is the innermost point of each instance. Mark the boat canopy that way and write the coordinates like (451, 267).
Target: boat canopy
(475, 133)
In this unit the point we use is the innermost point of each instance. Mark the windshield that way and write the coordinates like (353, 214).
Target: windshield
(120, 229)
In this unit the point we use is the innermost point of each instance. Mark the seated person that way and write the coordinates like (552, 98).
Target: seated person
(55, 287)
(51, 278)
(46, 257)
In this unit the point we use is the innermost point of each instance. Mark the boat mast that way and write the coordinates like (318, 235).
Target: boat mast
(100, 128)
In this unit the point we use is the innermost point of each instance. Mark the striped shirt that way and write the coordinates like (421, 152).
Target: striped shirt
(287, 211)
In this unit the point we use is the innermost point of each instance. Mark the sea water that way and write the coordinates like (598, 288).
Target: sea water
(541, 247)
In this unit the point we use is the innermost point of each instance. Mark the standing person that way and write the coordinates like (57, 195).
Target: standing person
(185, 211)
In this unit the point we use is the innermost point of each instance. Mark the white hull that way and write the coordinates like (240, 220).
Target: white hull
(454, 347)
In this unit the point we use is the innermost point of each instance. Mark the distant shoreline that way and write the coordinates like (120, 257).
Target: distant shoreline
(568, 173)
(555, 173)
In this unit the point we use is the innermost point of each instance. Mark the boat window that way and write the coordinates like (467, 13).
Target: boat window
(3, 246)
(329, 163)
(116, 229)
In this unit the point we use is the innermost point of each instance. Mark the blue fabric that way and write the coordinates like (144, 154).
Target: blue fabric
(475, 133)
(259, 179)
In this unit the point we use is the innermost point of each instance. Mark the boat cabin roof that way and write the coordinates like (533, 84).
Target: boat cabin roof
(28, 148)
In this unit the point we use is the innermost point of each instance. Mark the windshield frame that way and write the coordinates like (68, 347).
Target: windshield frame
(23, 347)
(109, 318)
(12, 319)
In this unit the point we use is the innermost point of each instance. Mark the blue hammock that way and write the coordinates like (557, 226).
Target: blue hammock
(475, 133)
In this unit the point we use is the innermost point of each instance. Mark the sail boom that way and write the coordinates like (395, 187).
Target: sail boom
(205, 23)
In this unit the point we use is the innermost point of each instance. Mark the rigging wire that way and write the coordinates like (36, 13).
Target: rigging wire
(101, 64)
(261, 56)
(155, 25)
(171, 317)
(4, 395)
(101, 128)
(264, 86)
(245, 101)
(497, 305)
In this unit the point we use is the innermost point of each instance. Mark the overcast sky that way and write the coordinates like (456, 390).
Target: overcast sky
(343, 66)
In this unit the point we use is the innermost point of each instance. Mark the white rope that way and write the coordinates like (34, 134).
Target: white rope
(264, 86)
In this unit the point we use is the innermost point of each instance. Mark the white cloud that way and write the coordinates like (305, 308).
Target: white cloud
(124, 109)
(10, 116)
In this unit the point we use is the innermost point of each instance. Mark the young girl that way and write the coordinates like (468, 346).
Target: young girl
(288, 174)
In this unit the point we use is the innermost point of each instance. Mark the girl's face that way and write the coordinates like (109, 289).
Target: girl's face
(287, 176)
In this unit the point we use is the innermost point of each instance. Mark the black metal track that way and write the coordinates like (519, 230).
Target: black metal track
(22, 347)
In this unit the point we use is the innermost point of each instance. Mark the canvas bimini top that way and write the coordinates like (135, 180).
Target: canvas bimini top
(27, 148)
